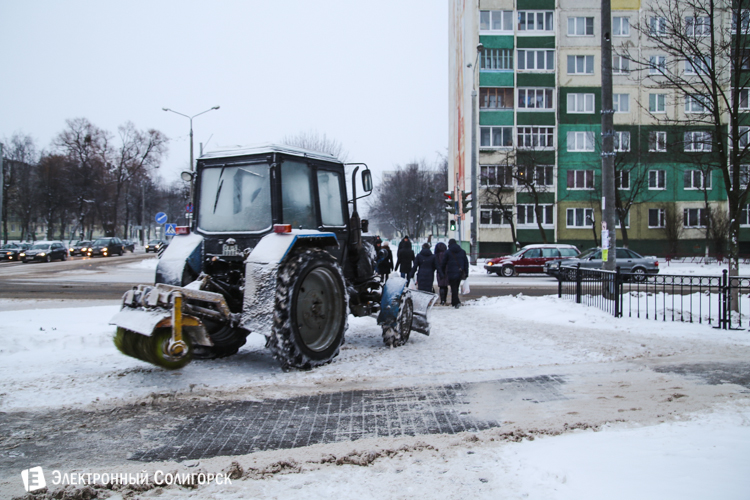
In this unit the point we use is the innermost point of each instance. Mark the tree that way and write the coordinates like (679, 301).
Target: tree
(498, 196)
(410, 200)
(705, 45)
(314, 141)
(19, 173)
(53, 193)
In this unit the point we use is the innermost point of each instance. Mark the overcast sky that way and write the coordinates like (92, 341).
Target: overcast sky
(372, 75)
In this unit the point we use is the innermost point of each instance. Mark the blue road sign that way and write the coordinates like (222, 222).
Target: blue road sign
(161, 218)
(170, 230)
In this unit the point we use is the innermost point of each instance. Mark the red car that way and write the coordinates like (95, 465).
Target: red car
(530, 259)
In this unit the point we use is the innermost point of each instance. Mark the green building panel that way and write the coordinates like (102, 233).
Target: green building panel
(496, 79)
(535, 5)
(531, 236)
(536, 118)
(528, 198)
(497, 41)
(535, 157)
(535, 42)
(535, 79)
(496, 118)
(576, 118)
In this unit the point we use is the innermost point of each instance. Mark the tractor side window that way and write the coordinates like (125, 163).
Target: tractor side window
(329, 191)
(296, 196)
(235, 199)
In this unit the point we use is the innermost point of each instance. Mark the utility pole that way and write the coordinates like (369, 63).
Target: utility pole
(474, 244)
(608, 232)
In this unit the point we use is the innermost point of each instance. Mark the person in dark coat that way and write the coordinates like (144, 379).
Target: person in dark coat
(442, 280)
(404, 258)
(385, 261)
(424, 269)
(456, 268)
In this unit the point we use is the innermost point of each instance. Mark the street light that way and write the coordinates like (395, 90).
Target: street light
(474, 243)
(191, 138)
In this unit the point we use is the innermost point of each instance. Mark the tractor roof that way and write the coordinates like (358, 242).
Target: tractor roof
(269, 148)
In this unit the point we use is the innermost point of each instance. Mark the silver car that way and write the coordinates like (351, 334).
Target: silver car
(628, 261)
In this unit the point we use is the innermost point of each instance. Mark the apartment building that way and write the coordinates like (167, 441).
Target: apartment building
(537, 134)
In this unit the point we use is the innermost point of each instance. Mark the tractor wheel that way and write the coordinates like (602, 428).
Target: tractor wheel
(508, 271)
(152, 349)
(394, 337)
(310, 315)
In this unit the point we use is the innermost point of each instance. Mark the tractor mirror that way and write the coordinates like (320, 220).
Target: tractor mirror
(365, 225)
(367, 181)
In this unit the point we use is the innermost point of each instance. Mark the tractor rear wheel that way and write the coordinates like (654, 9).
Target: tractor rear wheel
(310, 315)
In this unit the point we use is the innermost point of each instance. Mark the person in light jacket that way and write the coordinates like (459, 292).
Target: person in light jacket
(456, 268)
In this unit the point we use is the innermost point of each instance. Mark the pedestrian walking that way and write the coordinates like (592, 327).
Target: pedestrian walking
(442, 279)
(404, 258)
(456, 268)
(385, 262)
(424, 269)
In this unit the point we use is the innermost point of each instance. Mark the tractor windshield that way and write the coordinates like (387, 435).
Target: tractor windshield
(235, 199)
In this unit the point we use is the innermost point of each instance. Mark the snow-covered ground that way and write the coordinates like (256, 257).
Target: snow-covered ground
(63, 357)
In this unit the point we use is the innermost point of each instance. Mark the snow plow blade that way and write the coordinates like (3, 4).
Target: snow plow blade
(394, 293)
(160, 324)
(422, 302)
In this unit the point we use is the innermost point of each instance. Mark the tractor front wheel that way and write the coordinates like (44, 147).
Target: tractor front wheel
(310, 315)
(398, 336)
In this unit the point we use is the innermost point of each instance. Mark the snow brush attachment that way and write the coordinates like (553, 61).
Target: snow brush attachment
(153, 349)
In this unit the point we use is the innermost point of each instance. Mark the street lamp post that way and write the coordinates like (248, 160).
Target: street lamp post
(191, 139)
(474, 188)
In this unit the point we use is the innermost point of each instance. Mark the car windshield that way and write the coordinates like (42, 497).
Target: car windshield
(102, 242)
(153, 242)
(236, 198)
(40, 246)
(588, 253)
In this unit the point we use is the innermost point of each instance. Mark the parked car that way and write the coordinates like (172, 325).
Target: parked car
(10, 251)
(155, 245)
(44, 251)
(129, 245)
(80, 247)
(530, 259)
(106, 247)
(628, 261)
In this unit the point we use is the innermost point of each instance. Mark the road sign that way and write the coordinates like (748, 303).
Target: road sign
(161, 218)
(189, 208)
(170, 230)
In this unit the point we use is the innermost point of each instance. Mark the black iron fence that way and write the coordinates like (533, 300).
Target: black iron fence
(719, 301)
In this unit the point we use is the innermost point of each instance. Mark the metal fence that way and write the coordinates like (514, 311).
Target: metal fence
(719, 301)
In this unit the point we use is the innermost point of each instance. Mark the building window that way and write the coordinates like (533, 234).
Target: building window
(580, 179)
(496, 176)
(697, 26)
(496, 20)
(657, 65)
(531, 20)
(580, 26)
(657, 217)
(496, 59)
(580, 217)
(495, 98)
(627, 220)
(657, 103)
(540, 175)
(744, 17)
(695, 104)
(581, 103)
(494, 217)
(744, 137)
(580, 141)
(622, 179)
(580, 65)
(536, 137)
(496, 137)
(657, 26)
(743, 96)
(657, 142)
(526, 214)
(620, 65)
(537, 60)
(696, 179)
(620, 26)
(621, 103)
(697, 66)
(694, 217)
(622, 141)
(698, 141)
(657, 179)
(744, 175)
(535, 98)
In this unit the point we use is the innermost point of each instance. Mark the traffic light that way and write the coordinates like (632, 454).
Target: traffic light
(450, 203)
(466, 201)
(453, 225)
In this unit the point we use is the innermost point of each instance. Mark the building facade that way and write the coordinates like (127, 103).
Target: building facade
(537, 83)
